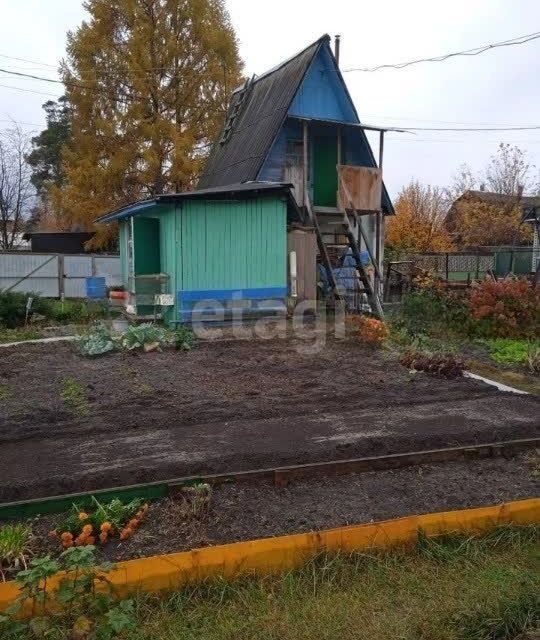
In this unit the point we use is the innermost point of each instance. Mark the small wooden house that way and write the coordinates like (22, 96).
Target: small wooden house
(292, 157)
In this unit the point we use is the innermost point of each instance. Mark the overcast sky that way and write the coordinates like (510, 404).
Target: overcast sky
(499, 88)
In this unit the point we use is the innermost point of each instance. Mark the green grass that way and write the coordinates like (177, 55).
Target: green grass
(74, 396)
(453, 588)
(16, 335)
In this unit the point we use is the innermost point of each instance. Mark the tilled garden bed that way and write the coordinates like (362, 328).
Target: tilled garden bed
(70, 424)
(247, 511)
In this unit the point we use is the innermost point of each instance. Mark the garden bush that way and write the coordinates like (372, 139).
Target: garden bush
(13, 307)
(429, 307)
(508, 308)
(369, 331)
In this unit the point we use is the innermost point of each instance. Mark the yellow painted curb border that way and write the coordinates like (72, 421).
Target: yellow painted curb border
(273, 555)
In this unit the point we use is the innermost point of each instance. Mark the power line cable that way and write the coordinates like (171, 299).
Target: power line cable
(41, 93)
(467, 52)
(41, 64)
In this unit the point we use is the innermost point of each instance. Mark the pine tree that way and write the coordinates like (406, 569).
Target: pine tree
(46, 155)
(148, 82)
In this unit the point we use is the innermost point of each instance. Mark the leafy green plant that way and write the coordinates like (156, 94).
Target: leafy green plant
(515, 351)
(425, 307)
(196, 499)
(85, 611)
(74, 396)
(146, 336)
(182, 338)
(14, 547)
(13, 308)
(96, 341)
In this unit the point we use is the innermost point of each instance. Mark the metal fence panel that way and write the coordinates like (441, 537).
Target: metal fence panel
(42, 267)
(108, 266)
(51, 274)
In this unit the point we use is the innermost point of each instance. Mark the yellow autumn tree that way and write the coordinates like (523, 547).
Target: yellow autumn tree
(418, 225)
(148, 82)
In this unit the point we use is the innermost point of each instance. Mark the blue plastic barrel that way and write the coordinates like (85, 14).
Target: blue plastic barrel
(96, 287)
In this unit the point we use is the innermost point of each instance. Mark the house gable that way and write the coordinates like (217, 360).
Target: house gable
(322, 93)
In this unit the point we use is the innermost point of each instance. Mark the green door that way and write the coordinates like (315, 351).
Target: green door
(146, 245)
(324, 171)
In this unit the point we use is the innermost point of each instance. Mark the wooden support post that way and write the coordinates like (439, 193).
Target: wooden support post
(379, 223)
(305, 161)
(61, 274)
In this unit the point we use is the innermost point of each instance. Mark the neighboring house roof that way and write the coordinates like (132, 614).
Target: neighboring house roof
(237, 191)
(491, 197)
(239, 155)
(529, 204)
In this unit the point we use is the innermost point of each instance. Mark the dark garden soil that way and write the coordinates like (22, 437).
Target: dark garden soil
(69, 423)
(248, 511)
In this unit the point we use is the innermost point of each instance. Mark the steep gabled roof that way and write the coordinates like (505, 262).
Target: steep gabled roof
(258, 122)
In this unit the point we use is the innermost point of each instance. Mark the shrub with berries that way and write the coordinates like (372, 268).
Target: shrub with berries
(106, 521)
(508, 308)
(369, 331)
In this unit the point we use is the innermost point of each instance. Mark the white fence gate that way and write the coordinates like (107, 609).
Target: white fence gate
(53, 274)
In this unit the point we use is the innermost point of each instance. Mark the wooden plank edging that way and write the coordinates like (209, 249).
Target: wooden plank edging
(274, 555)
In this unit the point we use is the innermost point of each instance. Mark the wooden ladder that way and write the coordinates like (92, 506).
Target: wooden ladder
(322, 247)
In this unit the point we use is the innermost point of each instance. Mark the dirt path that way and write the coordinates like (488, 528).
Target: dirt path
(226, 406)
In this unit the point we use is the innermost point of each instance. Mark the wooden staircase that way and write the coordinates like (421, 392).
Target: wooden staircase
(346, 228)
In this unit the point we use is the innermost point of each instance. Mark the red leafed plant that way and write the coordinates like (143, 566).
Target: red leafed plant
(370, 331)
(506, 308)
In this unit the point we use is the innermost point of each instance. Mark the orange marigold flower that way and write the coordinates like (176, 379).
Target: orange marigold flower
(91, 540)
(66, 536)
(133, 523)
(106, 526)
(80, 540)
(83, 516)
(87, 529)
(125, 533)
(103, 537)
(67, 543)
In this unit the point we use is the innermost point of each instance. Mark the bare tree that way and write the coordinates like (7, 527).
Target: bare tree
(508, 170)
(463, 180)
(16, 190)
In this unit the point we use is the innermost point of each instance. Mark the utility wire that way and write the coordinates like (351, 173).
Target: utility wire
(473, 129)
(467, 52)
(41, 93)
(41, 64)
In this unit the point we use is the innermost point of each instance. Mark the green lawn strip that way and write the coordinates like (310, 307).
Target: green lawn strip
(456, 589)
(530, 384)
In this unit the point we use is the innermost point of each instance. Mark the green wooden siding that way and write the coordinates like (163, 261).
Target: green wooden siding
(228, 245)
(212, 245)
